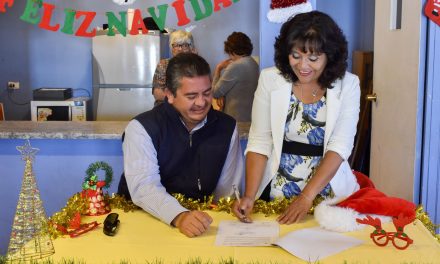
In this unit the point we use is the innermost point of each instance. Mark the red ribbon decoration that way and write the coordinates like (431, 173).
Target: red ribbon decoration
(84, 228)
(76, 228)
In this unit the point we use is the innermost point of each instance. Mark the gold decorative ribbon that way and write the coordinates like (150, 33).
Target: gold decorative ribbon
(78, 204)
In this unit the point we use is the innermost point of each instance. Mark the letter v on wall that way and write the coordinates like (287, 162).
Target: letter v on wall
(160, 20)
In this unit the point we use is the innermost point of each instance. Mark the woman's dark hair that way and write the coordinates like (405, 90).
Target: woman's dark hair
(317, 33)
(238, 43)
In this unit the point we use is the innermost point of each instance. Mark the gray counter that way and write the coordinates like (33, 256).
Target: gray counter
(74, 130)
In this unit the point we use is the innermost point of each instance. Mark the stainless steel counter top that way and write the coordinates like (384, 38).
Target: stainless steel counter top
(74, 130)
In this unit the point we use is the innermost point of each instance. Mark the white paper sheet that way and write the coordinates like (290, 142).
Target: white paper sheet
(313, 244)
(237, 234)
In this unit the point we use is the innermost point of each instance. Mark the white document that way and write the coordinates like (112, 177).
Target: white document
(313, 244)
(237, 234)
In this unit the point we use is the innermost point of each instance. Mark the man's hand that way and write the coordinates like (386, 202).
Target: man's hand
(192, 223)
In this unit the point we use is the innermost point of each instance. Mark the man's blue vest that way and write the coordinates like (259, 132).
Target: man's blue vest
(190, 164)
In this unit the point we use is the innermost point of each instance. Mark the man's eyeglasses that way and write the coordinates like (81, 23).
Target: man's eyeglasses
(181, 45)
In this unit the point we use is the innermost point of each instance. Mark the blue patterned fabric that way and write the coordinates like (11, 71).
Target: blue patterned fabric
(305, 123)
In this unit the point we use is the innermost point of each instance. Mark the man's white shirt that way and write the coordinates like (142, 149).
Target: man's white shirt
(142, 172)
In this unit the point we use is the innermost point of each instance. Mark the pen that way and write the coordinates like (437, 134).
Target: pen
(237, 196)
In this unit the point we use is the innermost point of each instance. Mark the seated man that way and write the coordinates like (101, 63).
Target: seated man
(181, 146)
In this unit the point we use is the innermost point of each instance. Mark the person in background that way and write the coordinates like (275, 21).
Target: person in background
(179, 41)
(235, 79)
(304, 118)
(181, 146)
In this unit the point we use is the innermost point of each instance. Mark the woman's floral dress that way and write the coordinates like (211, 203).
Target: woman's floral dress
(305, 124)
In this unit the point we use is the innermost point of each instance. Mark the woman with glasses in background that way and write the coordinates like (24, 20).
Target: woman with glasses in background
(180, 41)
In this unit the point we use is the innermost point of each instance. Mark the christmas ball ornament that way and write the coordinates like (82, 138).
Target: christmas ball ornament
(92, 188)
(124, 2)
(282, 10)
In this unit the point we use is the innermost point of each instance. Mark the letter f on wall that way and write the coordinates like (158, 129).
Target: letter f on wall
(3, 4)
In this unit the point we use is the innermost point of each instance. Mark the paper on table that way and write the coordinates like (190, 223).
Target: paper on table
(313, 244)
(258, 233)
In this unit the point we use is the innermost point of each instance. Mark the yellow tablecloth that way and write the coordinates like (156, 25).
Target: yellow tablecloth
(143, 238)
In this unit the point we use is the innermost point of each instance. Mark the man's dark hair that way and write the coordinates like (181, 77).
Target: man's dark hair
(314, 32)
(238, 43)
(185, 65)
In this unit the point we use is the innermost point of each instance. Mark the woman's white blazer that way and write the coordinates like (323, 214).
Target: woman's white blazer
(269, 112)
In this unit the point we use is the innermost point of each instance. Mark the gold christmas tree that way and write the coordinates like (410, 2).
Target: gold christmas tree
(30, 239)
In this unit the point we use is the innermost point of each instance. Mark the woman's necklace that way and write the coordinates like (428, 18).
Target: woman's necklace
(314, 92)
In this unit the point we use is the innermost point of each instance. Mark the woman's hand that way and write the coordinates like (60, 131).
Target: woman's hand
(327, 168)
(218, 103)
(296, 211)
(243, 209)
(223, 64)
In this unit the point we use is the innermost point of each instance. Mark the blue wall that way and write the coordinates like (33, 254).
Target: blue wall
(41, 58)
(268, 32)
(430, 186)
(356, 19)
(59, 169)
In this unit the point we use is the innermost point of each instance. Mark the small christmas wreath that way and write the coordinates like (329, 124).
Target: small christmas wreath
(91, 180)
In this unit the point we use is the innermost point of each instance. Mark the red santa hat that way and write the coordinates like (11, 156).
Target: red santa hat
(340, 214)
(282, 10)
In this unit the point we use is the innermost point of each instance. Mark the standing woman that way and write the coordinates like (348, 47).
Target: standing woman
(180, 41)
(304, 118)
(236, 79)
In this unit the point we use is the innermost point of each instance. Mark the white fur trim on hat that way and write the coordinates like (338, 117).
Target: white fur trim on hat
(281, 15)
(341, 219)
